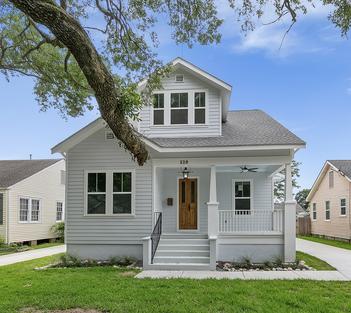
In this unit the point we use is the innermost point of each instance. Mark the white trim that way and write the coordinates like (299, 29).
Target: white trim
(343, 206)
(109, 192)
(314, 209)
(29, 215)
(234, 180)
(198, 205)
(62, 217)
(325, 211)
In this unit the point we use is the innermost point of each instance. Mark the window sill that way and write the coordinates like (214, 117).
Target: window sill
(28, 222)
(110, 215)
(342, 215)
(327, 220)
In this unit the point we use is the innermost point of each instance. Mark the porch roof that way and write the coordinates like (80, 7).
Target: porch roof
(243, 128)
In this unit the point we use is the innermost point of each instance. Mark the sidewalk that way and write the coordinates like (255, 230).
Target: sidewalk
(30, 255)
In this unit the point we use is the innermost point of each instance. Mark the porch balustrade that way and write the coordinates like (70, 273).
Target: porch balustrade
(231, 221)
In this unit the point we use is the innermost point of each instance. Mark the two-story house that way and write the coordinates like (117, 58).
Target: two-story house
(206, 194)
(329, 201)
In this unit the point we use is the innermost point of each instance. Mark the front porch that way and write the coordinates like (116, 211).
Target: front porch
(219, 207)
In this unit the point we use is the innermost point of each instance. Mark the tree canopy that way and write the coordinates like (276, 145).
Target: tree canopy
(301, 198)
(81, 50)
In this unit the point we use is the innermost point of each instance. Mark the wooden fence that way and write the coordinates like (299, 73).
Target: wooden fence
(303, 225)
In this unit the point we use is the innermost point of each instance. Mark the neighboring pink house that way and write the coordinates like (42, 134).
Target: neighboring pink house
(330, 201)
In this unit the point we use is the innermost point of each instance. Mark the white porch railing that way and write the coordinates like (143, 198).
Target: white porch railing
(231, 221)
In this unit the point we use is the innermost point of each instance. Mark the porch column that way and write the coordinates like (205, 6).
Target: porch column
(289, 218)
(212, 205)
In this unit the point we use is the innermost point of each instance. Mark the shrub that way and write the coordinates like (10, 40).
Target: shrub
(2, 241)
(59, 231)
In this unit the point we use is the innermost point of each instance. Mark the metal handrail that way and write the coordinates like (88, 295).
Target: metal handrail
(156, 234)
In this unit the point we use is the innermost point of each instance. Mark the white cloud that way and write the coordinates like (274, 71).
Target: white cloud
(348, 91)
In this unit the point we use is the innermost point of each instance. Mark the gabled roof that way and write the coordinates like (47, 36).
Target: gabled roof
(250, 129)
(14, 171)
(341, 166)
(242, 128)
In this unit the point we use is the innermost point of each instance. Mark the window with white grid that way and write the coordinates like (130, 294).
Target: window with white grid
(59, 211)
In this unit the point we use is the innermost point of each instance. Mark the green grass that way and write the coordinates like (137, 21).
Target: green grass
(10, 250)
(314, 262)
(330, 242)
(110, 290)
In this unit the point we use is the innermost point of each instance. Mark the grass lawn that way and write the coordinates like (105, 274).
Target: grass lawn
(10, 250)
(314, 262)
(111, 290)
(335, 243)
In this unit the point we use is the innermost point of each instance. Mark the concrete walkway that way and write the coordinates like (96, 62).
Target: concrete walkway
(30, 255)
(277, 275)
(336, 257)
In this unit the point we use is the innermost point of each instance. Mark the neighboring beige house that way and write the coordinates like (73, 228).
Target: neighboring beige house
(330, 200)
(32, 194)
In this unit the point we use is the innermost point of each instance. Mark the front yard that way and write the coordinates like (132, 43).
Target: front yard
(113, 290)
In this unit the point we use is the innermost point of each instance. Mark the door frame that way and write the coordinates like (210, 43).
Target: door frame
(197, 229)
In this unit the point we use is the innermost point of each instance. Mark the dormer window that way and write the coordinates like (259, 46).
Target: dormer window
(179, 78)
(159, 108)
(179, 108)
(200, 110)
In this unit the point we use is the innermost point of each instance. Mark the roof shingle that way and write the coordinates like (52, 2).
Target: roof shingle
(242, 128)
(342, 165)
(13, 171)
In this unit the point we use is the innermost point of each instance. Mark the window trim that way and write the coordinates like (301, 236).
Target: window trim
(188, 107)
(63, 217)
(158, 109)
(343, 206)
(314, 211)
(131, 192)
(29, 216)
(251, 193)
(200, 108)
(109, 193)
(325, 212)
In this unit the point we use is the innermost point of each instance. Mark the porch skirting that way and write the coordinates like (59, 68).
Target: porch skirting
(104, 252)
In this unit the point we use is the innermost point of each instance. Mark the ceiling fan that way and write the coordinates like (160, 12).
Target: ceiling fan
(245, 169)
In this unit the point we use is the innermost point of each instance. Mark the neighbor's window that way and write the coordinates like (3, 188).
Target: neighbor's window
(24, 210)
(200, 111)
(159, 108)
(331, 179)
(342, 206)
(327, 210)
(179, 108)
(35, 210)
(314, 211)
(122, 193)
(1, 208)
(242, 197)
(96, 193)
(59, 211)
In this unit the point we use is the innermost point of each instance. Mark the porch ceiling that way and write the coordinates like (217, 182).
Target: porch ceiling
(260, 168)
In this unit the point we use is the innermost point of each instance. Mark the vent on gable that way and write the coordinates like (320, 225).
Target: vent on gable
(109, 135)
(179, 78)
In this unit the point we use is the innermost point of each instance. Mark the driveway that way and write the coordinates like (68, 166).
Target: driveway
(30, 255)
(336, 257)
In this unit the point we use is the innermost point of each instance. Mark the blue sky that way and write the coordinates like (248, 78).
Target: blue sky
(306, 85)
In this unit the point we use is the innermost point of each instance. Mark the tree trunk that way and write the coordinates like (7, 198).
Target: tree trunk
(71, 34)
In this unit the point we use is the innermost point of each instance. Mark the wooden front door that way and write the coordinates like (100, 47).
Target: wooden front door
(188, 203)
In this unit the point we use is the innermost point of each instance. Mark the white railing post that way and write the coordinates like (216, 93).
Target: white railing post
(146, 252)
(289, 219)
(212, 205)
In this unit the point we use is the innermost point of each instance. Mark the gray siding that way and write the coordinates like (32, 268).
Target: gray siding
(213, 127)
(97, 153)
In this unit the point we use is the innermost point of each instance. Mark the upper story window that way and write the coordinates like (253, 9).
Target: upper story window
(200, 104)
(159, 108)
(314, 211)
(179, 108)
(327, 210)
(342, 207)
(331, 179)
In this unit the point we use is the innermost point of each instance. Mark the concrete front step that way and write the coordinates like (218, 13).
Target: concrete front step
(184, 236)
(184, 247)
(181, 241)
(182, 259)
(180, 267)
(190, 253)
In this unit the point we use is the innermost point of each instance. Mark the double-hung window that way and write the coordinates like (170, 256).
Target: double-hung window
(122, 193)
(96, 193)
(159, 108)
(327, 210)
(29, 210)
(110, 192)
(314, 211)
(200, 107)
(242, 197)
(179, 108)
(343, 207)
(59, 211)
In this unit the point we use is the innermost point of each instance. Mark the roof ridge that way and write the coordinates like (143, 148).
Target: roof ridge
(21, 160)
